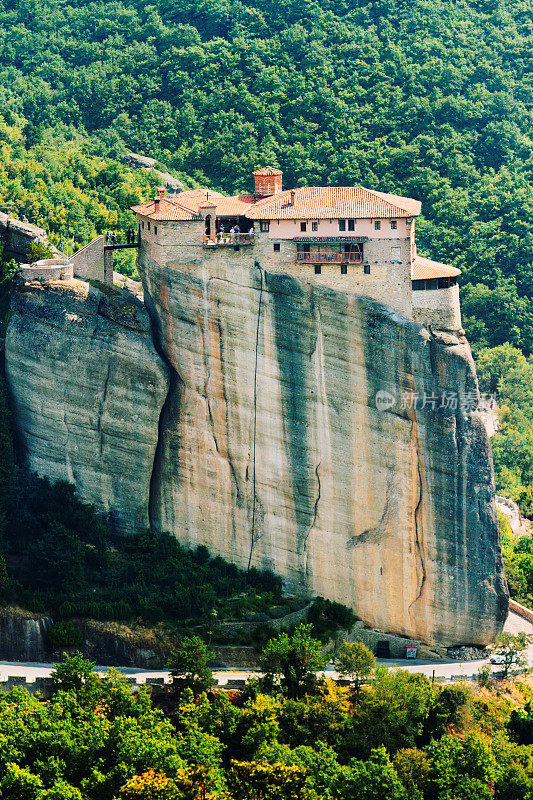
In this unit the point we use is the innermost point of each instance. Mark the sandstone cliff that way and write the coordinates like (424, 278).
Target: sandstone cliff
(88, 387)
(270, 448)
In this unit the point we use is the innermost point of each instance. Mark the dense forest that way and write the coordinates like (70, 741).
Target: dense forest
(400, 737)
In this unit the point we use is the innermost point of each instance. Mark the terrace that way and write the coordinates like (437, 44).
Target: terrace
(228, 240)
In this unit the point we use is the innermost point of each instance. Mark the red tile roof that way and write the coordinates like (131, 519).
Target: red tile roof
(424, 269)
(333, 202)
(267, 171)
(165, 210)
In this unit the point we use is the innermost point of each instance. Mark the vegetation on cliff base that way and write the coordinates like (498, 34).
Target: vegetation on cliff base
(399, 737)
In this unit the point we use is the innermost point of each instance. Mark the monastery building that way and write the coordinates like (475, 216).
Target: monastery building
(346, 237)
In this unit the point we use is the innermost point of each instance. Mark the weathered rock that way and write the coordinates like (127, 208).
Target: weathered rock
(88, 388)
(272, 450)
(273, 453)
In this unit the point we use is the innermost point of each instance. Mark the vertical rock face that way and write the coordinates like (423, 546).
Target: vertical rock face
(88, 388)
(273, 451)
(277, 428)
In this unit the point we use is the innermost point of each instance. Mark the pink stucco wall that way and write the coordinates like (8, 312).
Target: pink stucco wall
(288, 229)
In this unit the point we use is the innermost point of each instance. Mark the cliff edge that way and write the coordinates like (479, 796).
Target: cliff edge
(260, 423)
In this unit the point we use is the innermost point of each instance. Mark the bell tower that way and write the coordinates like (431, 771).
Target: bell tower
(268, 181)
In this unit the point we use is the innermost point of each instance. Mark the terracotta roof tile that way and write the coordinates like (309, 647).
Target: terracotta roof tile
(424, 269)
(232, 206)
(267, 171)
(167, 210)
(334, 202)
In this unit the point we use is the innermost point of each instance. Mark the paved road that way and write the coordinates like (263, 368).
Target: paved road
(443, 668)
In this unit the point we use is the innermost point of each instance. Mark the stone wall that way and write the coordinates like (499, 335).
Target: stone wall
(438, 308)
(88, 263)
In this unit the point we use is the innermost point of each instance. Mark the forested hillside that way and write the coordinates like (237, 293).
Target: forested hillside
(428, 99)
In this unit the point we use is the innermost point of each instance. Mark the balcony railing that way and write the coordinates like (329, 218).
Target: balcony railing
(323, 258)
(228, 240)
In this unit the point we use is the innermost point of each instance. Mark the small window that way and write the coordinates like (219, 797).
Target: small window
(148, 226)
(314, 226)
(318, 269)
(418, 285)
(344, 269)
(351, 224)
(393, 224)
(342, 224)
(264, 225)
(303, 227)
(142, 224)
(432, 283)
(366, 269)
(276, 247)
(155, 229)
(377, 225)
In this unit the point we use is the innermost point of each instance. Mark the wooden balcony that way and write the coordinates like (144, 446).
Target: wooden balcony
(225, 240)
(326, 258)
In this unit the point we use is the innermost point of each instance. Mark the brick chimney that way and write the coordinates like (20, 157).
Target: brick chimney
(160, 195)
(267, 181)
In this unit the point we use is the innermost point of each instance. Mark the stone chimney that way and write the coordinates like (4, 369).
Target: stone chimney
(267, 181)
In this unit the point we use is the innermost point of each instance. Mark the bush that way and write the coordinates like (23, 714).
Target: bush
(64, 634)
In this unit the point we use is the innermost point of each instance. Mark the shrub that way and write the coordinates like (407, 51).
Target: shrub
(64, 634)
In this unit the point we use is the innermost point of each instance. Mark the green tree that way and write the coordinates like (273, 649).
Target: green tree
(189, 665)
(252, 780)
(295, 659)
(355, 661)
(510, 650)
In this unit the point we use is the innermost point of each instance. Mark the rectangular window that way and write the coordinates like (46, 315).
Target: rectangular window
(264, 225)
(344, 269)
(318, 269)
(303, 227)
(276, 247)
(393, 224)
(342, 224)
(418, 286)
(148, 226)
(351, 224)
(377, 225)
(155, 229)
(142, 224)
(314, 226)
(366, 269)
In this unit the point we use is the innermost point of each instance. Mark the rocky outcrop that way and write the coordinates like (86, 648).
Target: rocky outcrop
(136, 161)
(88, 388)
(274, 452)
(286, 436)
(17, 235)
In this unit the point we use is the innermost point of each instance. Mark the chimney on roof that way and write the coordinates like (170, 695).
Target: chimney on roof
(160, 195)
(293, 193)
(268, 181)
